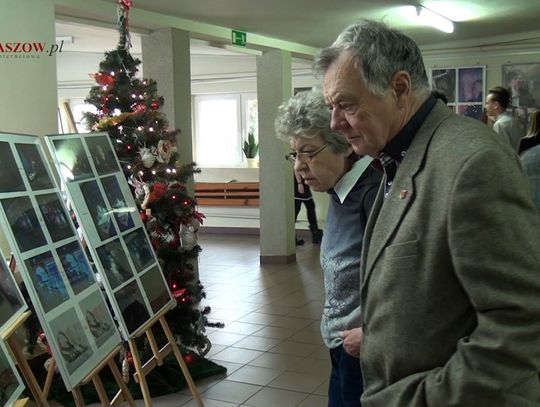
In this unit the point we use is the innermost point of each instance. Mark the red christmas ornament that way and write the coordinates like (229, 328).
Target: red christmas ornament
(154, 104)
(126, 3)
(104, 79)
(178, 293)
(188, 358)
(139, 108)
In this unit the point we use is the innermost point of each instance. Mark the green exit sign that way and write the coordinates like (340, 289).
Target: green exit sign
(239, 38)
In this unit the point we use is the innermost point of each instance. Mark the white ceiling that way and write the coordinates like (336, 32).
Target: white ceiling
(316, 23)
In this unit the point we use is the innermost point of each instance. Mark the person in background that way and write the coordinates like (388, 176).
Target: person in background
(450, 268)
(326, 162)
(507, 126)
(302, 195)
(533, 134)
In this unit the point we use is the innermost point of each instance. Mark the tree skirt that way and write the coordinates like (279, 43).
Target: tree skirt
(165, 379)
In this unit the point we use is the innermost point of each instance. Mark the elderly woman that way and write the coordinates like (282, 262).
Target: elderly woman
(324, 160)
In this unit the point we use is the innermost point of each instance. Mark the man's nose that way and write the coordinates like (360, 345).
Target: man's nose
(337, 120)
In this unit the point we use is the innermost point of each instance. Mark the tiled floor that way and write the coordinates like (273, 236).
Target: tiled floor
(271, 344)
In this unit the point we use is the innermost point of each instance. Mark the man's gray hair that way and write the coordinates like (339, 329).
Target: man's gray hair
(379, 52)
(306, 115)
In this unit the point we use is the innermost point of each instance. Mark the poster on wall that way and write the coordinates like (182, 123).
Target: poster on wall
(12, 303)
(111, 225)
(11, 385)
(523, 82)
(51, 260)
(463, 86)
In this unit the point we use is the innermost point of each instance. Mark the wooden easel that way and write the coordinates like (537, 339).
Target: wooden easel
(40, 395)
(123, 393)
(142, 370)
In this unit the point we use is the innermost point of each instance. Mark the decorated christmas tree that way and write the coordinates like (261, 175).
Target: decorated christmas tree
(128, 108)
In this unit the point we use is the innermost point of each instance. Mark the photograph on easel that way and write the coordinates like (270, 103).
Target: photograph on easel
(11, 180)
(115, 235)
(50, 259)
(11, 385)
(34, 168)
(98, 319)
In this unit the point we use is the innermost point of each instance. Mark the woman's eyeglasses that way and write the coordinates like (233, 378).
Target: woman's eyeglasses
(304, 157)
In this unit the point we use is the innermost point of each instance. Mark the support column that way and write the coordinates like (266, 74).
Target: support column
(275, 174)
(166, 59)
(27, 79)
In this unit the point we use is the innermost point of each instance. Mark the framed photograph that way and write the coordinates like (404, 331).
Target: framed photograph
(139, 249)
(98, 210)
(34, 168)
(71, 340)
(114, 263)
(102, 154)
(122, 212)
(523, 82)
(12, 303)
(11, 180)
(73, 161)
(445, 81)
(50, 259)
(132, 306)
(11, 385)
(47, 281)
(76, 267)
(156, 291)
(24, 223)
(98, 319)
(464, 87)
(56, 219)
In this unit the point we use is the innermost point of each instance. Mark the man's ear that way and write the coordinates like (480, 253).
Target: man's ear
(401, 85)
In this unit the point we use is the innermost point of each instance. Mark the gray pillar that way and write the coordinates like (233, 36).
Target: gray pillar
(28, 83)
(276, 178)
(166, 59)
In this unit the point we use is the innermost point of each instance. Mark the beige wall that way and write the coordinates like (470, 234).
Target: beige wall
(28, 84)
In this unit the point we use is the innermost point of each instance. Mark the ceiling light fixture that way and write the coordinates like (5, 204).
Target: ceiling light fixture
(428, 17)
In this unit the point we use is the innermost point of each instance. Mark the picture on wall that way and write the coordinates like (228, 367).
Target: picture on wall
(34, 168)
(157, 293)
(12, 303)
(11, 385)
(139, 250)
(51, 261)
(114, 263)
(523, 82)
(102, 155)
(11, 180)
(122, 212)
(464, 88)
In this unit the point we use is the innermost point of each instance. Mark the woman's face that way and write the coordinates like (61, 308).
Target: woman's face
(323, 170)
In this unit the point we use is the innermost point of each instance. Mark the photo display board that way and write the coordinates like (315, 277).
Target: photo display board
(12, 303)
(463, 86)
(57, 274)
(11, 385)
(112, 227)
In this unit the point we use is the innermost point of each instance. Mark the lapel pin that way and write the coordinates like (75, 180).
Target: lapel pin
(402, 194)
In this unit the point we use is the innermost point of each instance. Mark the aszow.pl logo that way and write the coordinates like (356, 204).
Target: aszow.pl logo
(28, 50)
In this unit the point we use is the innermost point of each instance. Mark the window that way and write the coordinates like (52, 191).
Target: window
(222, 123)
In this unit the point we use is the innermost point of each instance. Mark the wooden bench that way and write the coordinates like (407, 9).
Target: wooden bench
(227, 193)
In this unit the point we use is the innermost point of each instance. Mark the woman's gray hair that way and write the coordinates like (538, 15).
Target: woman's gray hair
(379, 52)
(306, 115)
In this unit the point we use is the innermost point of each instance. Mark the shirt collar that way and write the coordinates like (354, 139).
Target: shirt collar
(349, 180)
(397, 147)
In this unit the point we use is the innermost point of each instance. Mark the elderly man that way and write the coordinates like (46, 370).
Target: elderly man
(507, 126)
(450, 267)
